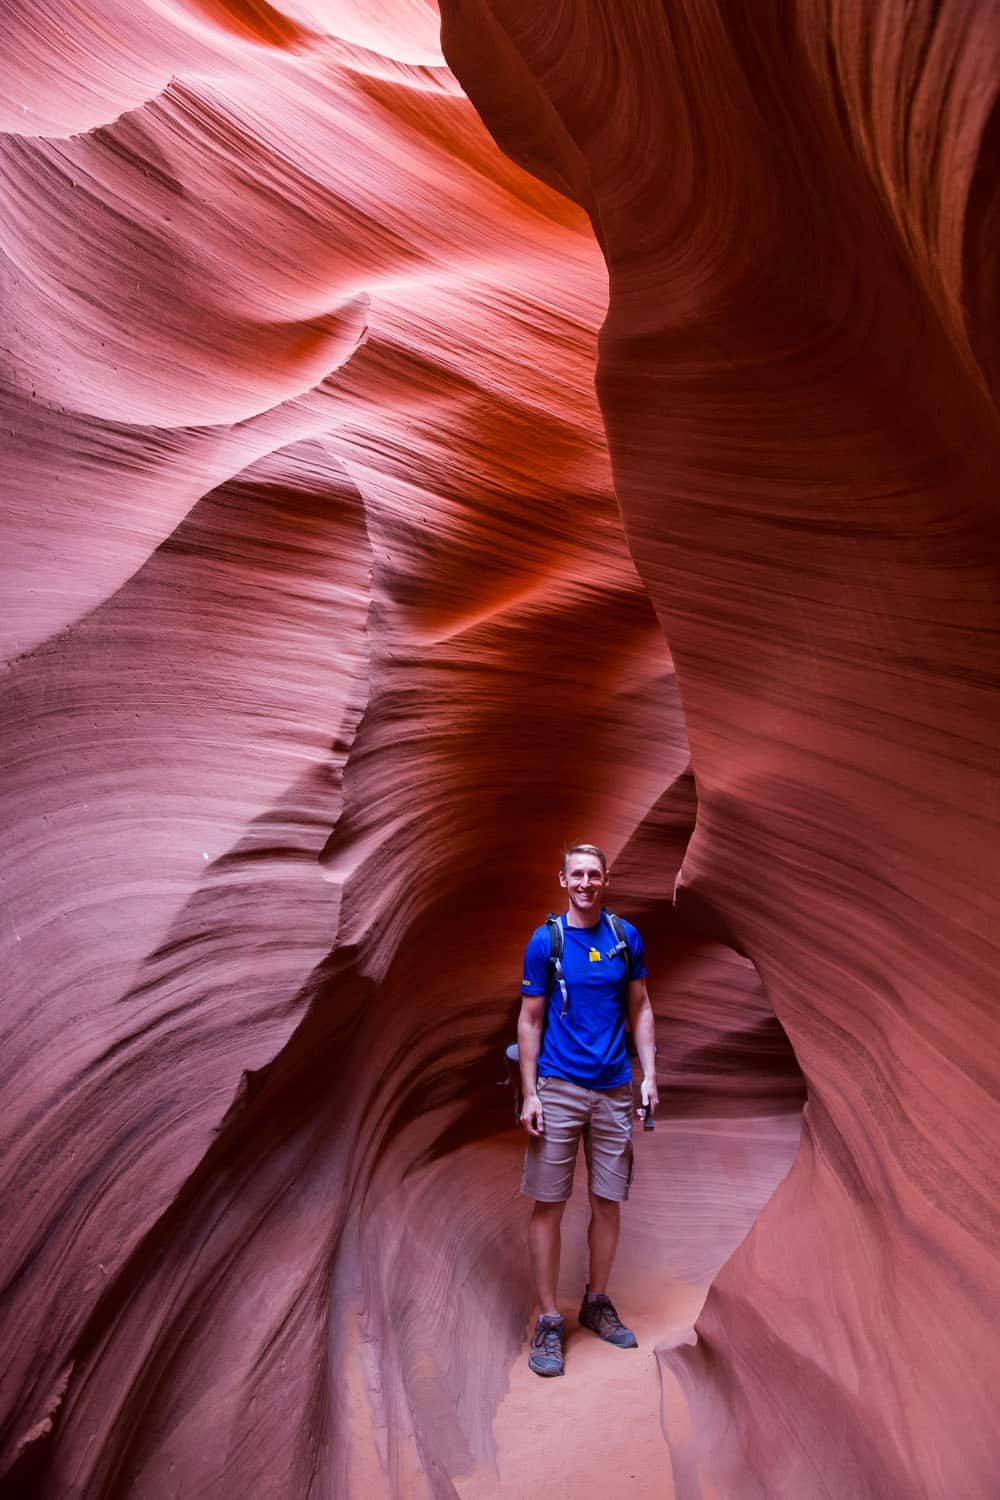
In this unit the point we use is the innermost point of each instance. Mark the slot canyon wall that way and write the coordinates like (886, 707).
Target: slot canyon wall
(798, 208)
(325, 625)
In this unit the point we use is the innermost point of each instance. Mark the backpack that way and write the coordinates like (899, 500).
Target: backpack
(556, 978)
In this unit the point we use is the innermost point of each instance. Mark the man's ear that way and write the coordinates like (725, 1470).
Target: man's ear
(562, 878)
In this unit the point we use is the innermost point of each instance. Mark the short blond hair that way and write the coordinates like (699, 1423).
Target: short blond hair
(585, 849)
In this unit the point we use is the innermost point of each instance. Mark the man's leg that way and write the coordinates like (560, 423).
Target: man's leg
(609, 1163)
(545, 1355)
(545, 1243)
(548, 1179)
(602, 1237)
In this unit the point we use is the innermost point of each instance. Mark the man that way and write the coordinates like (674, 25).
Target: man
(576, 1080)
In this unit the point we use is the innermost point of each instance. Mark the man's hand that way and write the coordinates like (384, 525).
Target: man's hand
(649, 1096)
(531, 1115)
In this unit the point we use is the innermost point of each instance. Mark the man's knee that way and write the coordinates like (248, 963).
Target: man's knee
(604, 1208)
(547, 1211)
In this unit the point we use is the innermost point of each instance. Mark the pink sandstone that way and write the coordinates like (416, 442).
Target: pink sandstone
(325, 625)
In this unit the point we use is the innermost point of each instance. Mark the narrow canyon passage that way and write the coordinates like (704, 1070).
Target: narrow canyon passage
(337, 600)
(600, 1429)
(797, 379)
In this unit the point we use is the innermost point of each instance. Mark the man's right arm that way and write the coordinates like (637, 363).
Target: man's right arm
(529, 1041)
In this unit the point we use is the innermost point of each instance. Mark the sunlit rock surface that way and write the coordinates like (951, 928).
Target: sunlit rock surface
(323, 632)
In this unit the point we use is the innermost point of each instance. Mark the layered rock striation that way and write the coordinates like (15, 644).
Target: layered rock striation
(797, 207)
(324, 629)
(321, 633)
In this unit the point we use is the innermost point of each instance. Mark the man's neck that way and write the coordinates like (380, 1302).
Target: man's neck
(576, 918)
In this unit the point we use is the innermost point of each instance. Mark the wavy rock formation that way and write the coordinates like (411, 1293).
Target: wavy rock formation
(323, 631)
(798, 205)
(322, 634)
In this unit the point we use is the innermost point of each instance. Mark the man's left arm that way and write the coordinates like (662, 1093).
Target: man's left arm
(640, 1016)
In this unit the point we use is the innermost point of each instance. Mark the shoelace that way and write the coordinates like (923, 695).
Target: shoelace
(549, 1338)
(606, 1312)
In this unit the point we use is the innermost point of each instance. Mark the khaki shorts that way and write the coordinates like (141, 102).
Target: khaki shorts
(604, 1118)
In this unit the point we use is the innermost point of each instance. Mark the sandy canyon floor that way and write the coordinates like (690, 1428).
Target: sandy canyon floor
(599, 1430)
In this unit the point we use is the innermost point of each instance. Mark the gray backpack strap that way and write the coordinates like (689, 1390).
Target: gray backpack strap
(557, 979)
(622, 945)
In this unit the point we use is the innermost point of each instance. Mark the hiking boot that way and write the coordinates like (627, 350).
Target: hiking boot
(546, 1357)
(598, 1314)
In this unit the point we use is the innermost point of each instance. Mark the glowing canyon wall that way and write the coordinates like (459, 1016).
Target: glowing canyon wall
(798, 208)
(324, 628)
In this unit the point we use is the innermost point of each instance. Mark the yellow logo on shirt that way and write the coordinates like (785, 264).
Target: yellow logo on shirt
(594, 956)
(524, 982)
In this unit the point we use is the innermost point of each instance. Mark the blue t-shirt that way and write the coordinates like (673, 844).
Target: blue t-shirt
(587, 1045)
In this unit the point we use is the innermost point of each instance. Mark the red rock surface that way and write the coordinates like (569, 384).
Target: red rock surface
(798, 209)
(324, 631)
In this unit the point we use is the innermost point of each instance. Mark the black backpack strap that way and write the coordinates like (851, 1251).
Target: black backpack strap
(622, 945)
(557, 979)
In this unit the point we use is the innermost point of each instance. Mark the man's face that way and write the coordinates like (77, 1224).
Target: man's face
(585, 881)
